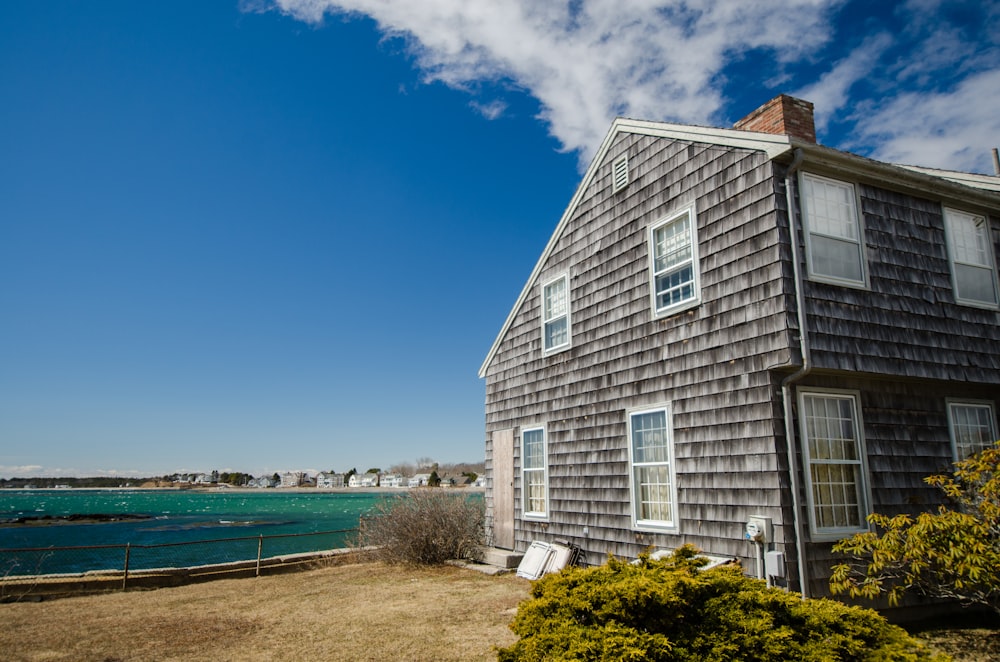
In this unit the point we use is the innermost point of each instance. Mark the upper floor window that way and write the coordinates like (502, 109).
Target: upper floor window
(654, 491)
(555, 314)
(834, 248)
(970, 252)
(534, 479)
(972, 427)
(834, 453)
(674, 263)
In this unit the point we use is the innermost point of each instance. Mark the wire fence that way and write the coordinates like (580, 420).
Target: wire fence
(39, 572)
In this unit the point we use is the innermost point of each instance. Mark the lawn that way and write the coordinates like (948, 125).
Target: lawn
(363, 611)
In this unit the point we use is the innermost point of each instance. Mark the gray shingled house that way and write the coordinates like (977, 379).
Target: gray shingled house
(741, 325)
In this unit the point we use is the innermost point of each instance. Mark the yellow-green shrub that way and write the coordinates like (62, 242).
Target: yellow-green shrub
(670, 610)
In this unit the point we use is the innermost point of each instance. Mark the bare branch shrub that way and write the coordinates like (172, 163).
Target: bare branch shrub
(424, 526)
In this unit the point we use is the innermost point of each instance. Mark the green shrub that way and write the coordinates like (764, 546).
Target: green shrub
(953, 553)
(670, 610)
(424, 526)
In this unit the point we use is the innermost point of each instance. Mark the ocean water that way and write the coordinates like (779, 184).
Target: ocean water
(175, 517)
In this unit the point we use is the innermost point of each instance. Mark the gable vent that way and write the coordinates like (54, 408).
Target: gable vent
(620, 170)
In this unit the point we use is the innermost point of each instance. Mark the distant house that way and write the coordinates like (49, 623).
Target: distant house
(291, 478)
(741, 326)
(329, 480)
(363, 480)
(418, 480)
(391, 480)
(262, 482)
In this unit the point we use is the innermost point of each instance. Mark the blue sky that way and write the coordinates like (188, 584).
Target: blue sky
(274, 235)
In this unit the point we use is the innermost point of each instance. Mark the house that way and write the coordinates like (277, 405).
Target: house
(328, 480)
(363, 480)
(291, 479)
(391, 480)
(746, 341)
(418, 480)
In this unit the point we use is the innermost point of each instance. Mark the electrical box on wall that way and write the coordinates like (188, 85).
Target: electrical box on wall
(759, 530)
(774, 564)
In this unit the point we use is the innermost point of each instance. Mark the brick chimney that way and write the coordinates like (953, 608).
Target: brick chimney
(782, 115)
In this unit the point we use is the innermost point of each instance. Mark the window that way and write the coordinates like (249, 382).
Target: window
(555, 314)
(620, 173)
(834, 454)
(674, 264)
(533, 473)
(654, 494)
(833, 233)
(970, 252)
(972, 427)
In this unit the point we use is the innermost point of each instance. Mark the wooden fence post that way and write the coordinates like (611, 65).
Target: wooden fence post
(128, 550)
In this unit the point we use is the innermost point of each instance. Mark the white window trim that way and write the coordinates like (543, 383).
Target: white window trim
(695, 263)
(859, 223)
(529, 514)
(986, 404)
(818, 534)
(950, 242)
(569, 319)
(653, 525)
(620, 175)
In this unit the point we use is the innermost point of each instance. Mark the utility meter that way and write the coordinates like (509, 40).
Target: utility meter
(758, 529)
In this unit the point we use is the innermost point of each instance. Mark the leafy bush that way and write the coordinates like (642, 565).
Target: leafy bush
(670, 610)
(953, 554)
(424, 526)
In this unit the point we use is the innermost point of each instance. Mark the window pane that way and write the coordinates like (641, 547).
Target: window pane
(534, 491)
(673, 267)
(835, 469)
(649, 437)
(969, 237)
(653, 492)
(555, 299)
(834, 231)
(831, 209)
(972, 428)
(836, 258)
(975, 283)
(534, 449)
(555, 333)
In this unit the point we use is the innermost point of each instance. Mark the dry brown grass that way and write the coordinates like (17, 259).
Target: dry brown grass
(364, 611)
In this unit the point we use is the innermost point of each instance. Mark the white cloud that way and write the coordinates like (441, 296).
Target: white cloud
(587, 62)
(20, 471)
(899, 93)
(960, 120)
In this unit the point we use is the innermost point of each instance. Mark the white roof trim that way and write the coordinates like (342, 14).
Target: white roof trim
(773, 145)
(987, 182)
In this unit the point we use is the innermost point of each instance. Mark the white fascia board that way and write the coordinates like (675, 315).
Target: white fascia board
(946, 184)
(772, 145)
(986, 182)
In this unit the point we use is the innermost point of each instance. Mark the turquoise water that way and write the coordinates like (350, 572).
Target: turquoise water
(176, 517)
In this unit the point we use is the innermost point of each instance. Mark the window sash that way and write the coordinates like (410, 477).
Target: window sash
(834, 455)
(833, 230)
(673, 262)
(972, 428)
(970, 253)
(555, 314)
(653, 485)
(533, 472)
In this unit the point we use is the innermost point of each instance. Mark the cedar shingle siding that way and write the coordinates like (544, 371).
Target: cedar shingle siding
(902, 344)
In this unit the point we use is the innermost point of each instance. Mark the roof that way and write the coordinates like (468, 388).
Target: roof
(981, 189)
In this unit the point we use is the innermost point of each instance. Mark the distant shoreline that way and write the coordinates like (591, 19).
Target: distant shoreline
(249, 490)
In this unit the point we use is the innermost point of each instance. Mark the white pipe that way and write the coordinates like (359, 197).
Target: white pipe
(804, 369)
